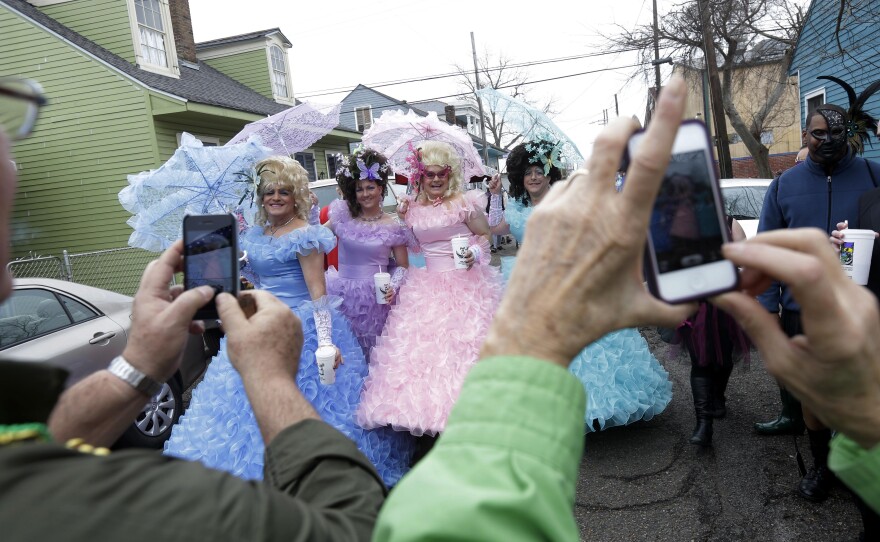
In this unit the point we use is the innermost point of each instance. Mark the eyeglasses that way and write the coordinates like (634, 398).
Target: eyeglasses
(20, 102)
(442, 175)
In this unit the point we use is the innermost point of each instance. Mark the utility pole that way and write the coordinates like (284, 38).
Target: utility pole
(656, 54)
(480, 102)
(616, 109)
(725, 165)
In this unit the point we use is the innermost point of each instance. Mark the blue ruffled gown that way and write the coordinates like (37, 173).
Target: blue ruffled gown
(624, 382)
(219, 428)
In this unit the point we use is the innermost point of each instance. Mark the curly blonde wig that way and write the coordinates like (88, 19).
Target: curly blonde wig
(283, 172)
(436, 153)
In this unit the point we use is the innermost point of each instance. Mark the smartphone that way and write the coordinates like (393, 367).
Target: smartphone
(688, 224)
(210, 256)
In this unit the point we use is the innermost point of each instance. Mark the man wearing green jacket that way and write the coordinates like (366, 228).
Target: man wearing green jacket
(506, 467)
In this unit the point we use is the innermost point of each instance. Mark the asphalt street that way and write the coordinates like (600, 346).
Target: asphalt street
(645, 482)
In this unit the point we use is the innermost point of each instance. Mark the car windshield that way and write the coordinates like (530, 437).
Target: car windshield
(744, 202)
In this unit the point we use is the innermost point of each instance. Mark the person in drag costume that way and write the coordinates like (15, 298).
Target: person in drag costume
(368, 238)
(286, 253)
(434, 334)
(624, 382)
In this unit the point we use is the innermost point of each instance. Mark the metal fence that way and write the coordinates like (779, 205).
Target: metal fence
(115, 269)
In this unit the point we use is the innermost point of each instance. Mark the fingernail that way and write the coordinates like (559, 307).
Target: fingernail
(206, 291)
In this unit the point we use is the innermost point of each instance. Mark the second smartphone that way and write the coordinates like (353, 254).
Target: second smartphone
(210, 256)
(688, 223)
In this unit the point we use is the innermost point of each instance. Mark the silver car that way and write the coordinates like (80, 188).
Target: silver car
(81, 329)
(743, 200)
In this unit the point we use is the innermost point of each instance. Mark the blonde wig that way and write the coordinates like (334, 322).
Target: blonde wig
(436, 153)
(283, 172)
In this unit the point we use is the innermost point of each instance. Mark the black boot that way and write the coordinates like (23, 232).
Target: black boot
(720, 377)
(701, 387)
(818, 481)
(790, 420)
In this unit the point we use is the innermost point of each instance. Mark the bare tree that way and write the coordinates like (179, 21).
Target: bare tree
(738, 27)
(501, 73)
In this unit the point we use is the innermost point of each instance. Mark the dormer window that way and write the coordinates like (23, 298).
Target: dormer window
(279, 72)
(153, 36)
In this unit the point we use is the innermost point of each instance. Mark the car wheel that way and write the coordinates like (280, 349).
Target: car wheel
(153, 425)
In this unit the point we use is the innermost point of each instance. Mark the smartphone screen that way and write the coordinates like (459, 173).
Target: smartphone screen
(210, 256)
(684, 224)
(688, 226)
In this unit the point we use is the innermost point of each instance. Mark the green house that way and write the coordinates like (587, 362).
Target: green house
(124, 80)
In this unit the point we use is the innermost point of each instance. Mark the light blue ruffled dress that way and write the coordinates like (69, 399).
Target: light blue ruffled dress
(624, 382)
(219, 428)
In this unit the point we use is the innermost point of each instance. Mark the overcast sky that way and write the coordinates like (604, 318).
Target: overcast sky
(343, 43)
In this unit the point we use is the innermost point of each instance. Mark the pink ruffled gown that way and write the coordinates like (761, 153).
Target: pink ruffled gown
(434, 334)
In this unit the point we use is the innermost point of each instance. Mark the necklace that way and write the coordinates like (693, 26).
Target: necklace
(273, 229)
(435, 202)
(371, 218)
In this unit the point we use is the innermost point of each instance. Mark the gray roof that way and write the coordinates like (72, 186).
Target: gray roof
(201, 83)
(243, 37)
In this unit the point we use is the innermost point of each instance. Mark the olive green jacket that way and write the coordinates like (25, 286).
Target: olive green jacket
(318, 486)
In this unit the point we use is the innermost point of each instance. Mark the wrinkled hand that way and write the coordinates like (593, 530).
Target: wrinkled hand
(834, 367)
(313, 198)
(162, 317)
(578, 271)
(495, 184)
(268, 343)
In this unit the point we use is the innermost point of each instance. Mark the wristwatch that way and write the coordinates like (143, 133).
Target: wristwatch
(121, 368)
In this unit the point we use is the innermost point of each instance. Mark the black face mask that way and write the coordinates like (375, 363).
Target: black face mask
(834, 139)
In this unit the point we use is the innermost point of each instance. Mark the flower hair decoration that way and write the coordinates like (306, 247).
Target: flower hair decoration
(252, 177)
(547, 152)
(363, 164)
(415, 167)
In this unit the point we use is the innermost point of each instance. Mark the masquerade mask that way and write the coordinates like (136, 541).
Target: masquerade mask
(834, 138)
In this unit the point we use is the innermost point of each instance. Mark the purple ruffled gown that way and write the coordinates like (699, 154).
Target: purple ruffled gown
(364, 249)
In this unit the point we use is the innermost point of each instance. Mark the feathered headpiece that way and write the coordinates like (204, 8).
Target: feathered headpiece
(860, 126)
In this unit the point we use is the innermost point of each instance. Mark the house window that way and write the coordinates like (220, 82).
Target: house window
(767, 137)
(151, 31)
(307, 160)
(332, 164)
(813, 99)
(207, 141)
(734, 138)
(279, 72)
(363, 117)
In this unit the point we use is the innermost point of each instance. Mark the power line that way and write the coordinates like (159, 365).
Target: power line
(336, 90)
(415, 103)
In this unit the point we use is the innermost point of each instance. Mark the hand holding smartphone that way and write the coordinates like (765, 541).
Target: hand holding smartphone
(210, 257)
(688, 224)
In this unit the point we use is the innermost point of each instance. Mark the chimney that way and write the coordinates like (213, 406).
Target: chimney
(183, 32)
(450, 114)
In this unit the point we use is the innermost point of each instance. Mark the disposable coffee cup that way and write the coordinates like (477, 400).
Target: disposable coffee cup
(382, 281)
(459, 251)
(855, 254)
(326, 357)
